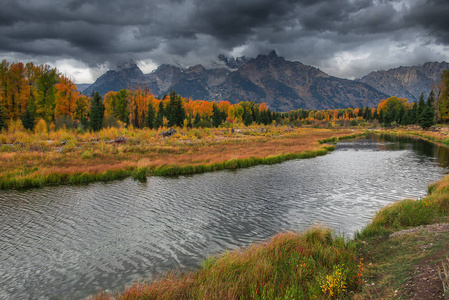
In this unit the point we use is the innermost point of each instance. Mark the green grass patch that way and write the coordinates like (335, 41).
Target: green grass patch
(311, 265)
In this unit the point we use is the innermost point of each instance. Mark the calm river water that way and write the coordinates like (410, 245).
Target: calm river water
(73, 241)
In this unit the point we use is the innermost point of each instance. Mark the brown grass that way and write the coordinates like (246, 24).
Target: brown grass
(144, 148)
(290, 265)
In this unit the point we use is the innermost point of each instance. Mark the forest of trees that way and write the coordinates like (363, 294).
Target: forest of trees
(33, 94)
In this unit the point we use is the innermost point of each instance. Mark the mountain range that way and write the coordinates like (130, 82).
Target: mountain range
(407, 82)
(284, 85)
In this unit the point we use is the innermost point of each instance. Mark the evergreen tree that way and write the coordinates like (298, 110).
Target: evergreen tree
(175, 111)
(400, 115)
(264, 119)
(159, 122)
(28, 120)
(150, 116)
(96, 112)
(406, 118)
(197, 120)
(427, 117)
(2, 117)
(381, 117)
(270, 116)
(389, 117)
(216, 115)
(421, 106)
(248, 119)
(431, 99)
(367, 114)
(414, 113)
(170, 110)
(180, 112)
(360, 112)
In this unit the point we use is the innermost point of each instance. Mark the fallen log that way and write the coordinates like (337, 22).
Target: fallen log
(119, 140)
(168, 133)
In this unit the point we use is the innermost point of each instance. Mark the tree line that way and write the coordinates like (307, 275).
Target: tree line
(140, 109)
(33, 93)
(37, 92)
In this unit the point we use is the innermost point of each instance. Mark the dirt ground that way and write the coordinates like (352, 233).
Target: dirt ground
(425, 282)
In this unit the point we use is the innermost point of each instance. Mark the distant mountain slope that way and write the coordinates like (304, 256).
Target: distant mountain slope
(286, 85)
(282, 84)
(82, 86)
(407, 82)
(127, 76)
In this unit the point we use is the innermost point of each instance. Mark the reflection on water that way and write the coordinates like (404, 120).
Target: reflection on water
(72, 241)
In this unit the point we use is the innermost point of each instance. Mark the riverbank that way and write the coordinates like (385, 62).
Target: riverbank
(402, 250)
(315, 264)
(63, 157)
(405, 245)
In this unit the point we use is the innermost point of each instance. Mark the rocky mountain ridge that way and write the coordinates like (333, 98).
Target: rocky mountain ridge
(283, 85)
(407, 82)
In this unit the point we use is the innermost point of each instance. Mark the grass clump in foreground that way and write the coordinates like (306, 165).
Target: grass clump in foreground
(311, 265)
(411, 213)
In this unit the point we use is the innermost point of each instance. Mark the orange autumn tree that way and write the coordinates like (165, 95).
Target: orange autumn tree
(14, 89)
(224, 106)
(138, 106)
(66, 96)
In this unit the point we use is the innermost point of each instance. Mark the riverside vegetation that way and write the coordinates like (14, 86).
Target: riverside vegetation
(68, 157)
(318, 264)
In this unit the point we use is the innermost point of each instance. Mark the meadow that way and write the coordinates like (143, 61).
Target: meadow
(71, 157)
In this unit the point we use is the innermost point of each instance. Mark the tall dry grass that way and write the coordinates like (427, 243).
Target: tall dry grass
(71, 156)
(290, 265)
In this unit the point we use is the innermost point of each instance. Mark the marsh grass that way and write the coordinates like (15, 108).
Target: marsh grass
(68, 157)
(291, 265)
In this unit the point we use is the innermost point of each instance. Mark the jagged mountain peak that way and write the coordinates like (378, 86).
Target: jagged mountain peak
(272, 54)
(232, 62)
(130, 64)
(124, 76)
(407, 81)
(282, 84)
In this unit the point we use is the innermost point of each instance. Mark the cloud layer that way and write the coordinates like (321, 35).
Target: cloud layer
(346, 38)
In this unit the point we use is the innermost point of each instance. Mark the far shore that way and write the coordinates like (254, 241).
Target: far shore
(67, 157)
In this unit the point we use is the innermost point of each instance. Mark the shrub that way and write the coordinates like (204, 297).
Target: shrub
(41, 127)
(354, 123)
(203, 124)
(65, 122)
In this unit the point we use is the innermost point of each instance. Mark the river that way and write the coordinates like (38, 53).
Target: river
(73, 241)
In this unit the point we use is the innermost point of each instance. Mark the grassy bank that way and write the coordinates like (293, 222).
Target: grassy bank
(439, 135)
(402, 256)
(381, 262)
(310, 265)
(62, 157)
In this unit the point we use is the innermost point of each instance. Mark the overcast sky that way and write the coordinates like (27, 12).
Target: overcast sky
(345, 38)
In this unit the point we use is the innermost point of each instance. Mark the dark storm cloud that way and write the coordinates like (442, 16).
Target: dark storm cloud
(192, 31)
(432, 15)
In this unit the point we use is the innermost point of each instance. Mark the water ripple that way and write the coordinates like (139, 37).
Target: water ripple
(76, 240)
